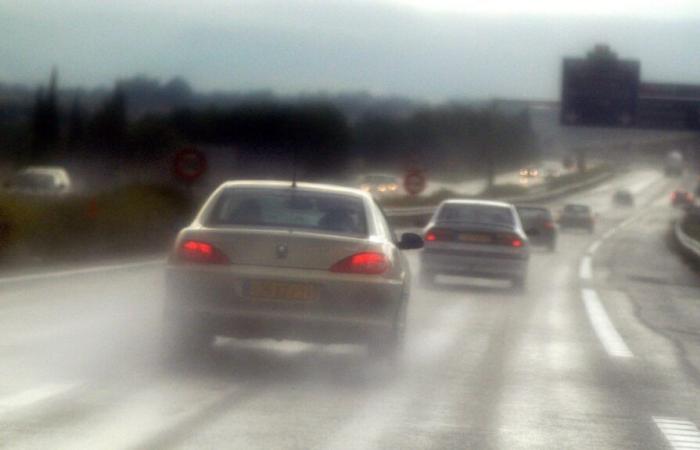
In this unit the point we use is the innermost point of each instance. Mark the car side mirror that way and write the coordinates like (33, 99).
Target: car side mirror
(410, 241)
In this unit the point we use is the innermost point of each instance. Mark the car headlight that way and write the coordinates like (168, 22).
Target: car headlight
(393, 187)
(366, 187)
(381, 188)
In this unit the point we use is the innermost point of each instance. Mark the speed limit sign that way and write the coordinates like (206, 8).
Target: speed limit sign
(414, 182)
(189, 164)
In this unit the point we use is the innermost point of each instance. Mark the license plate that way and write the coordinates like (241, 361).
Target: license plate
(473, 237)
(282, 290)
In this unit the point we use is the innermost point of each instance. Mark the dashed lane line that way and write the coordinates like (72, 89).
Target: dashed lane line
(33, 396)
(585, 271)
(607, 334)
(681, 434)
(594, 247)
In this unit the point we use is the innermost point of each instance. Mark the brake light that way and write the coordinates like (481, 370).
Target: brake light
(549, 225)
(367, 263)
(201, 252)
(438, 234)
(511, 240)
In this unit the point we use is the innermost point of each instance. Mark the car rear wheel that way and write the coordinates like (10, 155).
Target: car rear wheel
(427, 279)
(389, 345)
(518, 283)
(183, 339)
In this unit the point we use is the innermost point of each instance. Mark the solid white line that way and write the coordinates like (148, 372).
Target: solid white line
(609, 233)
(66, 273)
(34, 395)
(585, 271)
(603, 327)
(594, 247)
(686, 438)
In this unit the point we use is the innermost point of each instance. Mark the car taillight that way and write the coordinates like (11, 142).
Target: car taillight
(438, 234)
(549, 225)
(201, 252)
(673, 196)
(367, 263)
(511, 240)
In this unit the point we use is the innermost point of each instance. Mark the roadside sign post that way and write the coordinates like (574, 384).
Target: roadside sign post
(189, 164)
(414, 182)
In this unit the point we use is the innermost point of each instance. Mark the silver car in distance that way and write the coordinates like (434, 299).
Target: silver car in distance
(475, 238)
(309, 262)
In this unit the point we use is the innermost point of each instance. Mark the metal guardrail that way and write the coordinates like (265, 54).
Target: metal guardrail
(690, 245)
(422, 211)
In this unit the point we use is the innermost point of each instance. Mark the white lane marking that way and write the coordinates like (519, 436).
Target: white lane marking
(34, 395)
(609, 233)
(65, 273)
(603, 327)
(594, 247)
(680, 433)
(585, 271)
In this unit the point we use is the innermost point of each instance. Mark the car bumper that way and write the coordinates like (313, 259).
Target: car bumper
(467, 264)
(348, 308)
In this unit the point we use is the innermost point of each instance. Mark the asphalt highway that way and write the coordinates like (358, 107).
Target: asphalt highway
(602, 351)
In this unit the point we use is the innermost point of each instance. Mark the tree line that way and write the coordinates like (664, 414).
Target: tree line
(268, 133)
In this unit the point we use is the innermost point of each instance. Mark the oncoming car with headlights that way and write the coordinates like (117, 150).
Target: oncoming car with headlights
(380, 185)
(308, 262)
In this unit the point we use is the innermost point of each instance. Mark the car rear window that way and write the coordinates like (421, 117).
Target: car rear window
(533, 214)
(288, 208)
(479, 214)
(576, 209)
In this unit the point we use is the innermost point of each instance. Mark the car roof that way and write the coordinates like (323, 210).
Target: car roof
(539, 208)
(455, 201)
(276, 184)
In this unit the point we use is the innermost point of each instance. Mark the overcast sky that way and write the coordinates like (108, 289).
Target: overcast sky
(432, 49)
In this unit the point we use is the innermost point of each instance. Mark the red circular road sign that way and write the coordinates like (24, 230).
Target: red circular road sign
(189, 164)
(414, 182)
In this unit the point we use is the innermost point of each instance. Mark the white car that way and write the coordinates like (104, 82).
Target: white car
(41, 180)
(310, 262)
(475, 238)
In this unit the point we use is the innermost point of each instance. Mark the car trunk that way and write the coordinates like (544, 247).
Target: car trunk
(475, 238)
(281, 248)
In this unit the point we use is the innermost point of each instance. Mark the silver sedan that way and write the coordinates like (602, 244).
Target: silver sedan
(475, 238)
(307, 262)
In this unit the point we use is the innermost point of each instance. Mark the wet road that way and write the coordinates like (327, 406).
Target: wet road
(601, 352)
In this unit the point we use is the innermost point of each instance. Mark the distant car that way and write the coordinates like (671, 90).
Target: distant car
(529, 172)
(380, 185)
(577, 216)
(475, 238)
(623, 197)
(681, 197)
(539, 225)
(35, 180)
(264, 259)
(674, 164)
